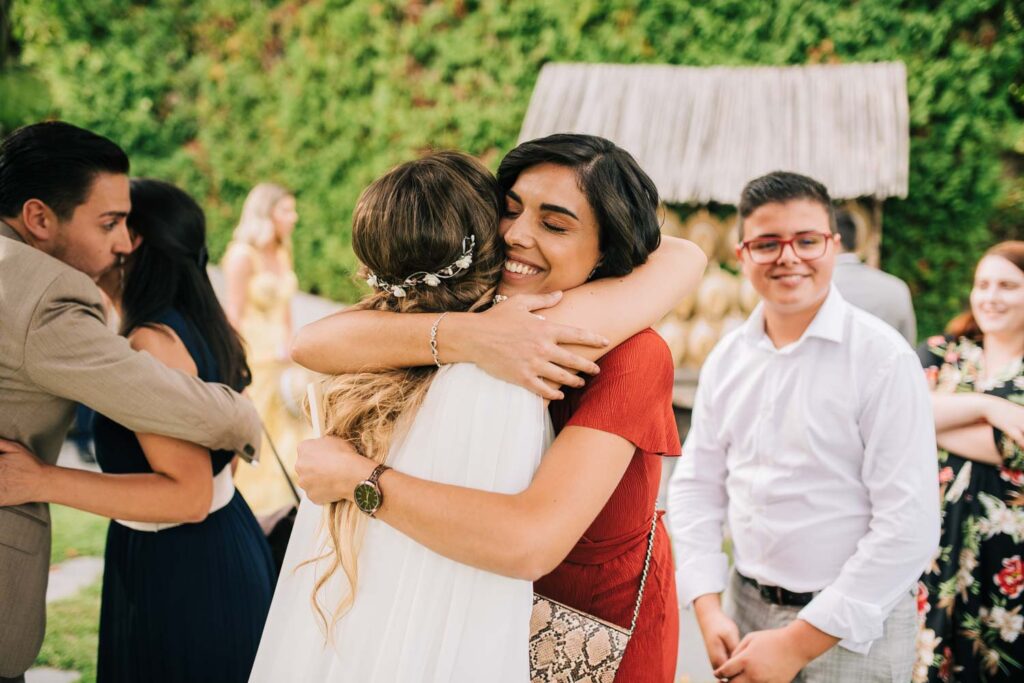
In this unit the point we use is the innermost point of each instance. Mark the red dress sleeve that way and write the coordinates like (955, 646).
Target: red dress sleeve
(632, 396)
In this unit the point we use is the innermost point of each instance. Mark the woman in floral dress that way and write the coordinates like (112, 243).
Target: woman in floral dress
(971, 600)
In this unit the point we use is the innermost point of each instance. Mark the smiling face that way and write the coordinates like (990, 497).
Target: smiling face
(789, 284)
(551, 236)
(96, 234)
(997, 298)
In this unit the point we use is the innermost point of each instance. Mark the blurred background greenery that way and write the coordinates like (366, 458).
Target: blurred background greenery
(324, 95)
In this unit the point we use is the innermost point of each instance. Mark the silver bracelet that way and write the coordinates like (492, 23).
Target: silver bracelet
(433, 338)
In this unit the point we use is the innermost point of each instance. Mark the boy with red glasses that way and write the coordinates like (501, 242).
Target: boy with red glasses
(812, 436)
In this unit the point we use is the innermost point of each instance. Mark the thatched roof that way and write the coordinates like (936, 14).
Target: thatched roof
(702, 133)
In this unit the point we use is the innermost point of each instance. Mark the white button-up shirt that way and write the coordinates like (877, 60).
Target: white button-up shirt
(821, 455)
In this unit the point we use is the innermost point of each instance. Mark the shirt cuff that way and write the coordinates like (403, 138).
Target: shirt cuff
(700, 576)
(857, 624)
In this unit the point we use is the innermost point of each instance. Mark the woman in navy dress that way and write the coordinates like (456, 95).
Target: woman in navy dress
(188, 575)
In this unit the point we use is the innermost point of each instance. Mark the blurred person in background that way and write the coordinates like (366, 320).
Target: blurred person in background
(882, 295)
(971, 600)
(261, 284)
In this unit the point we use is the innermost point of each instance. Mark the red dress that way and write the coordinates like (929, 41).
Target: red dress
(632, 398)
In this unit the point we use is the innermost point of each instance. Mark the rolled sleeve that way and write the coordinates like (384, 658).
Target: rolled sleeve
(700, 575)
(856, 622)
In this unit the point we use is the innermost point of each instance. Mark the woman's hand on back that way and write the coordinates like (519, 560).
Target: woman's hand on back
(513, 343)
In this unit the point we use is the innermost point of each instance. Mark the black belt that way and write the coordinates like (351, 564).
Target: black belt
(777, 595)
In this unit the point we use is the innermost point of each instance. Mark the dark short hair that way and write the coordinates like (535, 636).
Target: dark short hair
(56, 163)
(847, 229)
(623, 198)
(779, 187)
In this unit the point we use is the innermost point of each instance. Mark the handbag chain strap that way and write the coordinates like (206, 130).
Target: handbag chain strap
(280, 463)
(647, 566)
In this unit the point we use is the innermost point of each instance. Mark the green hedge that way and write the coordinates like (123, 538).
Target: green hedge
(323, 96)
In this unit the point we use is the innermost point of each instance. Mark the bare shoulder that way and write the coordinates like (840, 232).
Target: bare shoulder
(238, 259)
(161, 342)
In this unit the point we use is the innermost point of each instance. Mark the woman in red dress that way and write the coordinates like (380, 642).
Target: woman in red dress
(578, 209)
(632, 399)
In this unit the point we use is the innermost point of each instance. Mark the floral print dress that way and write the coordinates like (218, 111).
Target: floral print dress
(971, 600)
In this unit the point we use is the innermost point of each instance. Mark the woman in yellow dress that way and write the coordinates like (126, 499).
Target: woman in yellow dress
(260, 286)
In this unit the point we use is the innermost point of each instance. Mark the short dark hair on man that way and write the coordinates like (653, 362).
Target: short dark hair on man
(779, 187)
(623, 197)
(847, 230)
(55, 163)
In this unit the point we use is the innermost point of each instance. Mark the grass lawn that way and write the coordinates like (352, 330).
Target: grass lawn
(72, 624)
(76, 533)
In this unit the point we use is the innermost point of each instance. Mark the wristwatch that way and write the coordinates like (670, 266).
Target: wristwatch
(368, 496)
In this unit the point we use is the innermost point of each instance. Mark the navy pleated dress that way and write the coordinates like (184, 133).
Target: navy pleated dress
(185, 604)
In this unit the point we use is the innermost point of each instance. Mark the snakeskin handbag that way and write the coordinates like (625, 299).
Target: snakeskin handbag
(570, 646)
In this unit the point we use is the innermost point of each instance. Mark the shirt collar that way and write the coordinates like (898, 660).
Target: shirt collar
(828, 323)
(9, 232)
(847, 258)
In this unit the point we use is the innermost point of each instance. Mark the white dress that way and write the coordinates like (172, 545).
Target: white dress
(419, 616)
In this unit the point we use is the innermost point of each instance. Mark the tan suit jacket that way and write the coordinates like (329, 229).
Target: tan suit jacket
(56, 351)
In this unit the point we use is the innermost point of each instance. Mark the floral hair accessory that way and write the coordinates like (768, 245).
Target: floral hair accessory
(430, 279)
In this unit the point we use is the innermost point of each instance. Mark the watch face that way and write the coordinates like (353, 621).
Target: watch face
(367, 497)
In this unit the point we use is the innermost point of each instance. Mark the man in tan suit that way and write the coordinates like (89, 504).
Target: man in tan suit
(63, 203)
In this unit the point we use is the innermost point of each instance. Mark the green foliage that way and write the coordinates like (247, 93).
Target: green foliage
(23, 99)
(323, 96)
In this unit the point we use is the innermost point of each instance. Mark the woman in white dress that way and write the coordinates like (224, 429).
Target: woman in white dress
(427, 234)
(385, 608)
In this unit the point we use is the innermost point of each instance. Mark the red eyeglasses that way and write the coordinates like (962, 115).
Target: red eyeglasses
(807, 246)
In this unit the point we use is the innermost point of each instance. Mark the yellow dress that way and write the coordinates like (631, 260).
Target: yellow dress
(263, 328)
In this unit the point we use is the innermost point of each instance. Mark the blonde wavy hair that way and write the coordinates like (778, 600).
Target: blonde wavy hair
(255, 226)
(412, 219)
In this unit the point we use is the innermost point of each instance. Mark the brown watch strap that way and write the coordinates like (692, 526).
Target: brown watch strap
(377, 472)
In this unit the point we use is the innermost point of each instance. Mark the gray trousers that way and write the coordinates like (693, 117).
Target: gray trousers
(891, 657)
